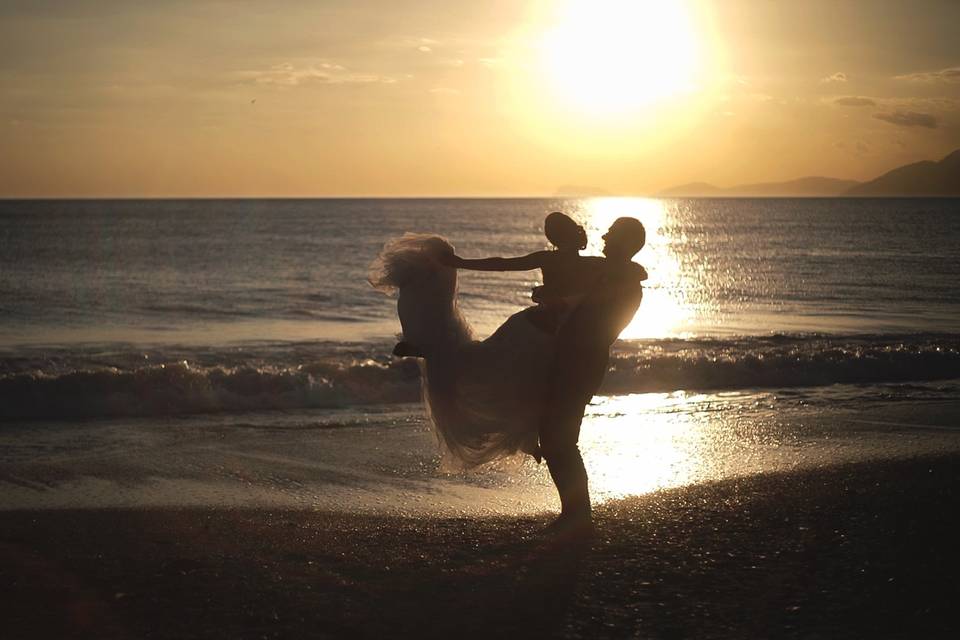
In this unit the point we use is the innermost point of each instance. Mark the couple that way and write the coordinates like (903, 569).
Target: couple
(525, 387)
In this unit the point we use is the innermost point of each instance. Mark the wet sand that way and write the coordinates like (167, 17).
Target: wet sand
(859, 550)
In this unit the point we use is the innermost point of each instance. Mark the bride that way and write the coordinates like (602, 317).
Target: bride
(484, 398)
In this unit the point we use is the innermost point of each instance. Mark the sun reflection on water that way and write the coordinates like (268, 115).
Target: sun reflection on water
(640, 443)
(665, 311)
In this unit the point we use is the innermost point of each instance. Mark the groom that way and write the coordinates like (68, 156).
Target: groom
(583, 351)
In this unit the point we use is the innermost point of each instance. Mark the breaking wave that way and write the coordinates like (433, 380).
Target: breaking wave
(285, 377)
(179, 388)
(782, 361)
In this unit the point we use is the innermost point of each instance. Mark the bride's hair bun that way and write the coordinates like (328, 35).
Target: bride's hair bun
(563, 231)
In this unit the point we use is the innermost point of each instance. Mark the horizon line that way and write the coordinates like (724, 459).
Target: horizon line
(469, 197)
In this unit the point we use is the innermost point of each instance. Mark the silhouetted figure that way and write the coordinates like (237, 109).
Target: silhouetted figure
(526, 385)
(484, 398)
(588, 302)
(582, 355)
(567, 276)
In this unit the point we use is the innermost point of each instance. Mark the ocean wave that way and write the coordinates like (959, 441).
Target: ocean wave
(782, 361)
(288, 376)
(179, 388)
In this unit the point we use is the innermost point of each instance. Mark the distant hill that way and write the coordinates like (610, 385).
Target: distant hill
(811, 186)
(925, 178)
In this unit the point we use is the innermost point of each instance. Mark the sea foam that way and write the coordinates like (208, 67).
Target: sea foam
(284, 377)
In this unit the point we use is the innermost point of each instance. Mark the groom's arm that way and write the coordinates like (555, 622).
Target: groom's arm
(530, 261)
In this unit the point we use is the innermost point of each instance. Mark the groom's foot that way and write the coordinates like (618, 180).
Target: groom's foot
(406, 350)
(571, 527)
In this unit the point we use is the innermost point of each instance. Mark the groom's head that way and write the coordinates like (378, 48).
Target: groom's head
(624, 238)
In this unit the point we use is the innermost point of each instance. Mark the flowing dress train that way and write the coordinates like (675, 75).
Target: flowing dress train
(484, 397)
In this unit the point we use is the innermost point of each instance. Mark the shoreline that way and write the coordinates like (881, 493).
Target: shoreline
(856, 550)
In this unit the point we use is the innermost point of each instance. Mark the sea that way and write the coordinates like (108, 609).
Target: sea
(232, 352)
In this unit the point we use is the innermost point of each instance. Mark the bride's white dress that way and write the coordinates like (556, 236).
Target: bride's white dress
(485, 397)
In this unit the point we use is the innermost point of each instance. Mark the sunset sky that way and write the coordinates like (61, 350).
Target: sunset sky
(379, 98)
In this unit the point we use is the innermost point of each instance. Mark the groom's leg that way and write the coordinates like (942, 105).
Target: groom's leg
(558, 441)
(570, 477)
(576, 377)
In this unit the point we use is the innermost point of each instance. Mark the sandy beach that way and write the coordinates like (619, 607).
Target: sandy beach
(857, 550)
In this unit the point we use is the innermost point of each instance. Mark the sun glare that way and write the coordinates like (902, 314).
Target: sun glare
(609, 57)
(639, 443)
(664, 311)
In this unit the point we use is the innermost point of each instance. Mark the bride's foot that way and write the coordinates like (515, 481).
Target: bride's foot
(405, 349)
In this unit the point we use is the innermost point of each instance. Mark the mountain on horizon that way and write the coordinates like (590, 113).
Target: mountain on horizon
(808, 186)
(925, 178)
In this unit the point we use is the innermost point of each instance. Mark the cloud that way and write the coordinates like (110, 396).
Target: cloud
(908, 119)
(445, 91)
(839, 76)
(937, 105)
(857, 148)
(943, 75)
(424, 45)
(289, 75)
(855, 101)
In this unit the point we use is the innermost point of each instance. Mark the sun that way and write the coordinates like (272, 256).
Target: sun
(613, 57)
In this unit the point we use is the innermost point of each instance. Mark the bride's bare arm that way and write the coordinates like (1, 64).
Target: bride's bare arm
(530, 261)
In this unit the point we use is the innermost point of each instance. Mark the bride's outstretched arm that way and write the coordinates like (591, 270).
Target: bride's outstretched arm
(530, 261)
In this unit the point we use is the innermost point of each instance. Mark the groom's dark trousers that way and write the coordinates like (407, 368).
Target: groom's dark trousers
(583, 352)
(576, 376)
